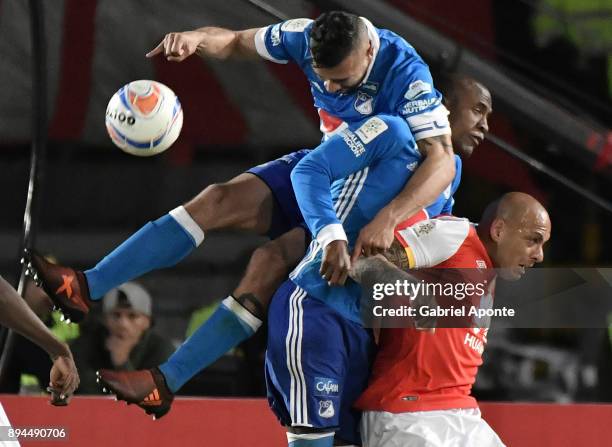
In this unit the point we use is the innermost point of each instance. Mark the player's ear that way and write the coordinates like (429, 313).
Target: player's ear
(370, 49)
(497, 230)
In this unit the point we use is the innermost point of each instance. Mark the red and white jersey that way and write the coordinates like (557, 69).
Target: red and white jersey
(418, 370)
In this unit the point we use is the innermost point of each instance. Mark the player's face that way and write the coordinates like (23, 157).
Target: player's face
(520, 245)
(468, 118)
(125, 322)
(348, 74)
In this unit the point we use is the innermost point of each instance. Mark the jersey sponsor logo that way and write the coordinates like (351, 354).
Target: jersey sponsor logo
(295, 25)
(326, 387)
(418, 105)
(275, 35)
(364, 103)
(474, 342)
(371, 129)
(326, 409)
(353, 142)
(416, 89)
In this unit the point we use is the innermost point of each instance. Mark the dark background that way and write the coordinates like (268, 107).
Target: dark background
(238, 114)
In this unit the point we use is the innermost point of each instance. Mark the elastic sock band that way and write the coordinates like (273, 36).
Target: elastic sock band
(244, 315)
(183, 218)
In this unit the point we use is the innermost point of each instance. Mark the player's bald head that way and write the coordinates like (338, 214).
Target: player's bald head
(515, 229)
(517, 209)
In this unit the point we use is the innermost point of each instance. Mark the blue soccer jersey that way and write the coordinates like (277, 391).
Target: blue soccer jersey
(398, 81)
(341, 186)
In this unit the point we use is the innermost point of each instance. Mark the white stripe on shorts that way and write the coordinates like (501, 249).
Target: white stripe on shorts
(298, 410)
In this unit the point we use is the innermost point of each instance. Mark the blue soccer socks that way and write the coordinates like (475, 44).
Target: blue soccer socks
(159, 244)
(228, 326)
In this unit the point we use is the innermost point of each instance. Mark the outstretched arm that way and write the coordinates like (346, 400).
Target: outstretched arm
(213, 42)
(15, 314)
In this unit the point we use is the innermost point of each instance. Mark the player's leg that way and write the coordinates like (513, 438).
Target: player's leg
(236, 319)
(360, 349)
(240, 314)
(260, 200)
(424, 428)
(308, 367)
(243, 203)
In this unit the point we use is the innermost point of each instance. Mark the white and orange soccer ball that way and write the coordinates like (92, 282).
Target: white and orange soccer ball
(144, 118)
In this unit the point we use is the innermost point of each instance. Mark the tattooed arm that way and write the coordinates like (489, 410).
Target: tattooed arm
(386, 268)
(391, 266)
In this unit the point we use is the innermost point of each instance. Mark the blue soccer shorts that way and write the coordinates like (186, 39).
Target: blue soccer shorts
(317, 363)
(277, 175)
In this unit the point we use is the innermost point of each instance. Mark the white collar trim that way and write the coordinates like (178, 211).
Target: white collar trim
(375, 41)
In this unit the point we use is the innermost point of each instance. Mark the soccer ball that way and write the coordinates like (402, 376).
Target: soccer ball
(144, 118)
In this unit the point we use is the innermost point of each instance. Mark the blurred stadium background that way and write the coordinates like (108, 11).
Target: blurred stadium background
(548, 64)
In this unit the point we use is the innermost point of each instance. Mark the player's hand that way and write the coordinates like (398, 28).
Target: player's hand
(63, 380)
(177, 47)
(336, 263)
(375, 238)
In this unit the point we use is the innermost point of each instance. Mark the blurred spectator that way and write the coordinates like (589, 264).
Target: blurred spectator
(124, 340)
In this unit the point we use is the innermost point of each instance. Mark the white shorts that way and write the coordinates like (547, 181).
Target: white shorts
(444, 428)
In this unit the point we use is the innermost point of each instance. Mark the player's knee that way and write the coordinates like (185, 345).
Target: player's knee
(212, 202)
(273, 258)
(215, 195)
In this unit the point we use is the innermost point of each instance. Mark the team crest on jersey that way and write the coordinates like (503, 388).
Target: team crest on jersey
(371, 129)
(424, 228)
(416, 89)
(364, 103)
(326, 409)
(296, 25)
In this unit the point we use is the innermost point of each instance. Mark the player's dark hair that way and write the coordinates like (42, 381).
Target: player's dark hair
(451, 84)
(333, 36)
